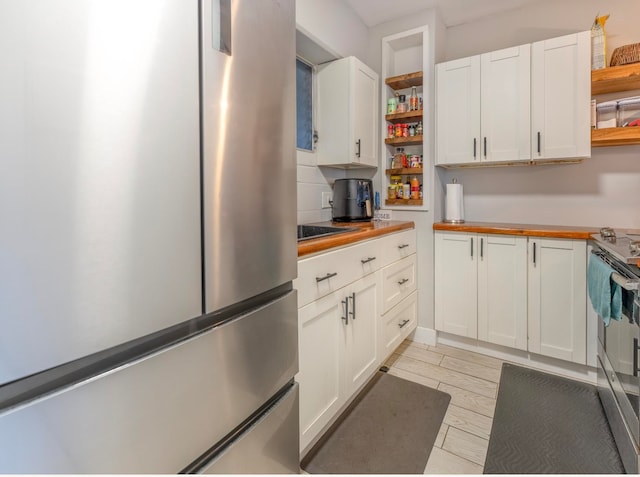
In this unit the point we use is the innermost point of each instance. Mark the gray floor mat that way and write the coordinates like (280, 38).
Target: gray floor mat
(546, 424)
(389, 429)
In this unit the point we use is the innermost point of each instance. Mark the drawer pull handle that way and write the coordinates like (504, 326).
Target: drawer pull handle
(326, 277)
(403, 281)
(345, 318)
(403, 324)
(353, 306)
(367, 260)
(404, 245)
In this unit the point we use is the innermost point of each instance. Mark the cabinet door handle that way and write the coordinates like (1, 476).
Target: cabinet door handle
(474, 148)
(534, 253)
(326, 277)
(485, 147)
(538, 142)
(404, 245)
(403, 281)
(353, 306)
(481, 247)
(358, 144)
(403, 324)
(345, 318)
(471, 247)
(367, 260)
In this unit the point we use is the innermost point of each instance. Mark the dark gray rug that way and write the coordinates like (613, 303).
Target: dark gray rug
(390, 428)
(546, 424)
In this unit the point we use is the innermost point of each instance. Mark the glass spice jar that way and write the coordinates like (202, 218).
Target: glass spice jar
(399, 130)
(405, 130)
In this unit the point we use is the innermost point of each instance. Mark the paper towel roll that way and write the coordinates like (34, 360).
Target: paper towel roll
(454, 209)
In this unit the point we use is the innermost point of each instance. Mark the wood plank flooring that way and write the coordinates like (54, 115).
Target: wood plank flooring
(472, 381)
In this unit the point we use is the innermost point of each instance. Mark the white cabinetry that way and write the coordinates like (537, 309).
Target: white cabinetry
(337, 339)
(557, 298)
(560, 94)
(456, 284)
(481, 285)
(483, 108)
(345, 331)
(502, 290)
(347, 114)
(528, 294)
(526, 103)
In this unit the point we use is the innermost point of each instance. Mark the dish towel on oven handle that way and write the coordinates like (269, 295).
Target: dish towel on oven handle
(604, 293)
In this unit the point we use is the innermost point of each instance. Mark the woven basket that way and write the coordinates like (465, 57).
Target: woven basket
(626, 54)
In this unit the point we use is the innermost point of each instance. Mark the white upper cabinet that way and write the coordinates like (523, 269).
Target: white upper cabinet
(520, 104)
(505, 119)
(347, 114)
(483, 108)
(458, 111)
(560, 97)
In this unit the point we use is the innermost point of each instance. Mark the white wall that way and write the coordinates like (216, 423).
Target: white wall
(333, 26)
(603, 190)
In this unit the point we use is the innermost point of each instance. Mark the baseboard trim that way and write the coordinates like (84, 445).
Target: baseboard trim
(542, 363)
(424, 335)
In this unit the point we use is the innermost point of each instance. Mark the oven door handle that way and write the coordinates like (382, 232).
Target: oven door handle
(635, 357)
(627, 284)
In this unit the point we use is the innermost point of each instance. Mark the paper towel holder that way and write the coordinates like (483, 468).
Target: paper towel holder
(457, 220)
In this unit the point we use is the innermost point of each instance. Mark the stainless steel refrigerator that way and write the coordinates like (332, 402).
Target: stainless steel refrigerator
(147, 236)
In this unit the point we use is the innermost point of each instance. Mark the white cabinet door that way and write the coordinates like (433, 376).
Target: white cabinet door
(458, 111)
(347, 113)
(360, 333)
(557, 298)
(321, 376)
(502, 290)
(365, 113)
(560, 94)
(505, 109)
(456, 283)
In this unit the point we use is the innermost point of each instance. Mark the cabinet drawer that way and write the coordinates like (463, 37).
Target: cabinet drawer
(397, 246)
(398, 281)
(325, 273)
(397, 324)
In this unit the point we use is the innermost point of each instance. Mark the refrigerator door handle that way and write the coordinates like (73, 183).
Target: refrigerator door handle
(221, 25)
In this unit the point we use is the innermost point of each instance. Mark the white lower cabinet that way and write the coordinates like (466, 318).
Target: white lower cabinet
(519, 292)
(346, 334)
(396, 324)
(557, 298)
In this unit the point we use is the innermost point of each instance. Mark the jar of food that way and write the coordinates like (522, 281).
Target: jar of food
(412, 130)
(406, 191)
(390, 130)
(402, 106)
(413, 99)
(419, 129)
(398, 132)
(391, 191)
(405, 130)
(392, 105)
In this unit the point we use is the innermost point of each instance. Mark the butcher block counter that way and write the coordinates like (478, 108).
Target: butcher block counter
(527, 230)
(365, 231)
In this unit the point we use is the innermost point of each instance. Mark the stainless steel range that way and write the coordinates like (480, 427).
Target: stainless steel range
(618, 343)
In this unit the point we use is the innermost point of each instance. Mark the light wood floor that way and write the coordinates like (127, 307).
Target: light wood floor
(472, 381)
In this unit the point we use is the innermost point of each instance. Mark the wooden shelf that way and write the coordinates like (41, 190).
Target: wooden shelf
(405, 81)
(404, 141)
(403, 202)
(406, 171)
(410, 116)
(615, 78)
(615, 136)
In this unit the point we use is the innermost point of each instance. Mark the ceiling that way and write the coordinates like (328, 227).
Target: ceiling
(454, 12)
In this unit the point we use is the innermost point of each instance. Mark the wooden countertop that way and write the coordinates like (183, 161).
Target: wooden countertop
(529, 230)
(366, 230)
